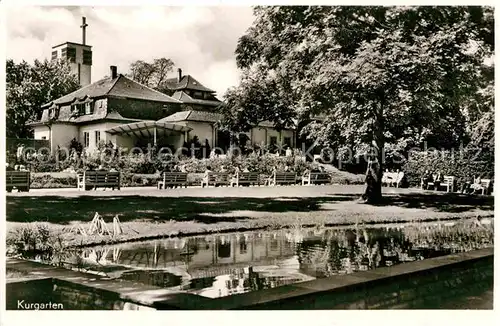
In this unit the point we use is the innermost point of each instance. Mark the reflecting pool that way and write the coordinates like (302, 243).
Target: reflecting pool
(225, 264)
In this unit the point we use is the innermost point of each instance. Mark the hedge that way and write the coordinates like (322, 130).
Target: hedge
(138, 170)
(464, 165)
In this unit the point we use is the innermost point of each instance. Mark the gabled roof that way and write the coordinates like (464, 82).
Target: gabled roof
(187, 82)
(185, 98)
(120, 86)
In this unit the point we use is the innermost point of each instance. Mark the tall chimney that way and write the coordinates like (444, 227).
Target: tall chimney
(180, 75)
(113, 72)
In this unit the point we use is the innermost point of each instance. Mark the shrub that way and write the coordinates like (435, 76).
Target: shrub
(141, 170)
(139, 180)
(463, 165)
(53, 180)
(31, 239)
(76, 146)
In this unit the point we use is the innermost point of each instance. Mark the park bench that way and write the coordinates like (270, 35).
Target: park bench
(310, 178)
(98, 179)
(17, 179)
(216, 179)
(392, 178)
(173, 179)
(282, 178)
(245, 178)
(485, 186)
(448, 183)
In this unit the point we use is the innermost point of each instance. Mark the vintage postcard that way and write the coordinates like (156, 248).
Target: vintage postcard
(249, 157)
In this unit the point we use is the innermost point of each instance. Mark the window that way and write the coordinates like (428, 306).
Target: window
(243, 247)
(273, 140)
(71, 54)
(87, 57)
(86, 139)
(88, 108)
(287, 141)
(224, 250)
(54, 55)
(97, 137)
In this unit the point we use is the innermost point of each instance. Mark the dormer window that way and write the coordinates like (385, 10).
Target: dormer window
(89, 108)
(82, 108)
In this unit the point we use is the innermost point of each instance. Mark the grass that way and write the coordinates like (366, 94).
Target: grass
(14, 274)
(151, 213)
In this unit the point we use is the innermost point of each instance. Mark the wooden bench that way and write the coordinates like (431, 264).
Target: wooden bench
(485, 186)
(245, 178)
(17, 179)
(282, 178)
(310, 178)
(173, 179)
(216, 179)
(392, 178)
(98, 179)
(448, 183)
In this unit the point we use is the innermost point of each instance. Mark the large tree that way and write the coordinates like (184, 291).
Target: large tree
(257, 98)
(153, 74)
(376, 74)
(31, 86)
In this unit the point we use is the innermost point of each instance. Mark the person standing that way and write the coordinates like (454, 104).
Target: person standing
(371, 180)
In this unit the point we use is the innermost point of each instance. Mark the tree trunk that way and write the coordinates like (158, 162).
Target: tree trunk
(373, 193)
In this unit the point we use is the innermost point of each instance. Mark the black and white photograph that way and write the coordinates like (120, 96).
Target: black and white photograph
(249, 157)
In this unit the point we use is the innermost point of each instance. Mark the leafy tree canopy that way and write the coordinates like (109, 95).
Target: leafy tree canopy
(259, 97)
(403, 75)
(153, 74)
(31, 86)
(377, 75)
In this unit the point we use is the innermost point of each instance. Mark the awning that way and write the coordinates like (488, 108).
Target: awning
(148, 129)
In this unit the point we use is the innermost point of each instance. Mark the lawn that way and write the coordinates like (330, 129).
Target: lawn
(147, 213)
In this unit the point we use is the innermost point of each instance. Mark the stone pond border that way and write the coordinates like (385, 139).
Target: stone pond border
(413, 285)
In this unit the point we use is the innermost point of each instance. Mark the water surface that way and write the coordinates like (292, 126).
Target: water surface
(226, 264)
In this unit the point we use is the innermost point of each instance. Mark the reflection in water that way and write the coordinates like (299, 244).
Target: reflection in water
(221, 265)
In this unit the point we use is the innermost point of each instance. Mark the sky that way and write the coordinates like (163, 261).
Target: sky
(200, 40)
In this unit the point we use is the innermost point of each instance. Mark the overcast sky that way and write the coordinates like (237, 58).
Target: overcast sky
(200, 40)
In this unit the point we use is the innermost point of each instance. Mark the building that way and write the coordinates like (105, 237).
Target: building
(78, 55)
(119, 110)
(192, 93)
(114, 109)
(200, 113)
